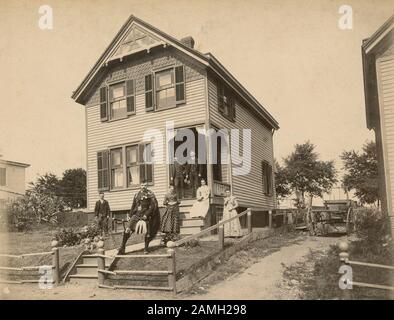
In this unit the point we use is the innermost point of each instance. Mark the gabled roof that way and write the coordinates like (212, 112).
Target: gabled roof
(158, 38)
(375, 44)
(14, 163)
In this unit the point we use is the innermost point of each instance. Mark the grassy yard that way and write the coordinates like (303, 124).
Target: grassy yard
(317, 276)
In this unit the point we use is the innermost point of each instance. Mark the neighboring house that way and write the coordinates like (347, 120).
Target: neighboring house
(12, 181)
(378, 65)
(145, 78)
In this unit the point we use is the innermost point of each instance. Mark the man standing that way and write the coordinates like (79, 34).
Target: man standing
(102, 213)
(177, 178)
(193, 172)
(145, 208)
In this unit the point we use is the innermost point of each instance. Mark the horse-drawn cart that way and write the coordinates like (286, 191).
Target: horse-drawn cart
(335, 217)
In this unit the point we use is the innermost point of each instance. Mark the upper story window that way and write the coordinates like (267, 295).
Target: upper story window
(226, 102)
(117, 101)
(165, 88)
(3, 176)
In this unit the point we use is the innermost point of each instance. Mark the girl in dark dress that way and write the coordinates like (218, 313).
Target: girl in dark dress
(170, 219)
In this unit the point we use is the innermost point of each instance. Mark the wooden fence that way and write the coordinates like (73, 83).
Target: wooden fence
(55, 266)
(345, 261)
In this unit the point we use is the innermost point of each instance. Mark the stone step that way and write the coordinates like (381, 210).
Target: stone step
(192, 223)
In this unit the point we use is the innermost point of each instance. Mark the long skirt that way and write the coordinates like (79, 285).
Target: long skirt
(232, 228)
(199, 209)
(170, 220)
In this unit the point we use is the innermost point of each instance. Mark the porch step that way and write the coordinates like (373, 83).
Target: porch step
(86, 269)
(92, 260)
(84, 278)
(192, 223)
(190, 230)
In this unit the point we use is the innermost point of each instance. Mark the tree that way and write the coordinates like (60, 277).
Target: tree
(281, 182)
(48, 183)
(306, 174)
(362, 173)
(72, 187)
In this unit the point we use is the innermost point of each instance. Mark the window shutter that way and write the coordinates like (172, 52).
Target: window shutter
(232, 108)
(103, 104)
(180, 84)
(149, 92)
(220, 98)
(130, 96)
(269, 180)
(264, 176)
(103, 170)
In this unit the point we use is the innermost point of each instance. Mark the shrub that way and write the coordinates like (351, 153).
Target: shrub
(192, 243)
(68, 237)
(371, 224)
(90, 231)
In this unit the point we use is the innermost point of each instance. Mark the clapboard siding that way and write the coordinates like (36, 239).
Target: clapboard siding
(102, 135)
(248, 188)
(385, 77)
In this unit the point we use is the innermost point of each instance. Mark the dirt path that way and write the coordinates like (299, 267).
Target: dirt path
(263, 280)
(260, 281)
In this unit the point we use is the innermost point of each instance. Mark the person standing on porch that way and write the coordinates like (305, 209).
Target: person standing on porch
(170, 220)
(200, 208)
(232, 228)
(177, 178)
(193, 172)
(102, 212)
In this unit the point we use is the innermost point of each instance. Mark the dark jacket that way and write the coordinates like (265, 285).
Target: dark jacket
(102, 209)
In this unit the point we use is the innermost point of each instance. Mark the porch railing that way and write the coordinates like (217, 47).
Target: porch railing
(220, 188)
(219, 226)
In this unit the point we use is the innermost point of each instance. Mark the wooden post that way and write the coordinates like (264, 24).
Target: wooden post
(249, 220)
(344, 258)
(55, 262)
(101, 262)
(172, 270)
(270, 218)
(221, 237)
(115, 225)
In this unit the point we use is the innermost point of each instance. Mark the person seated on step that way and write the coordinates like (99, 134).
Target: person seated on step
(144, 214)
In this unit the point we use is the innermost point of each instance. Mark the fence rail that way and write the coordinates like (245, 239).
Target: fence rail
(55, 265)
(344, 258)
(170, 272)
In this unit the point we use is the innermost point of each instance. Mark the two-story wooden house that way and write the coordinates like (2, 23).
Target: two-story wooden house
(378, 68)
(146, 79)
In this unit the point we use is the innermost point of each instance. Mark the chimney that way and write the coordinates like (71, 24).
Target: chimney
(188, 42)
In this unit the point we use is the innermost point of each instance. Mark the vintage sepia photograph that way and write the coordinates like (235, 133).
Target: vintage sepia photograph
(197, 150)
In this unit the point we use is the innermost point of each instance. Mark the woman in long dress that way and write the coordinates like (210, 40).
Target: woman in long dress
(201, 206)
(232, 228)
(170, 220)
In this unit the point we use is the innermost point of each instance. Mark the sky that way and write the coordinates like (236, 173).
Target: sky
(290, 54)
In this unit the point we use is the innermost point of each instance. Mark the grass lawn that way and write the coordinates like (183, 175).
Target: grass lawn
(31, 242)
